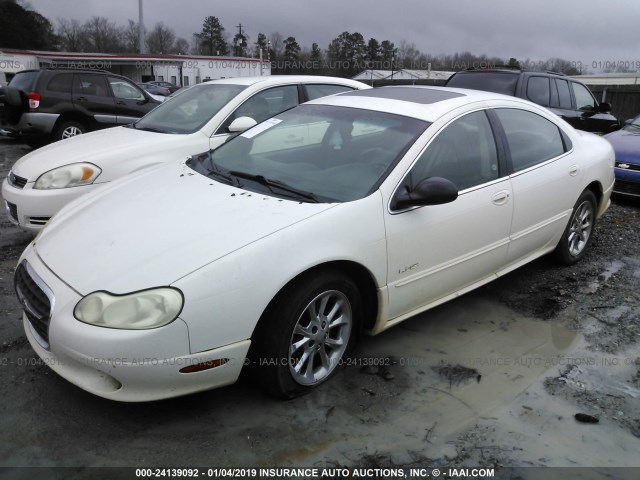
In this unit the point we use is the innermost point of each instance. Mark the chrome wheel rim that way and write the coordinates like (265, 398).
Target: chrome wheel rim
(320, 337)
(580, 230)
(71, 132)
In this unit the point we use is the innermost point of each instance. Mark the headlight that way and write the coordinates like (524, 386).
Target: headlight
(134, 311)
(72, 175)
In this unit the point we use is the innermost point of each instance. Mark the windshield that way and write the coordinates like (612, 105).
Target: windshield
(495, 82)
(189, 111)
(316, 153)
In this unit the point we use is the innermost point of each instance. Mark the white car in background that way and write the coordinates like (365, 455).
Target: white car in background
(273, 252)
(200, 118)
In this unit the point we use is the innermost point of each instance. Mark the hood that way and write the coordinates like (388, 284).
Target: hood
(626, 143)
(115, 150)
(157, 227)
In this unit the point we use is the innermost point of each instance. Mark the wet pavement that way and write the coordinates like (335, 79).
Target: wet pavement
(494, 378)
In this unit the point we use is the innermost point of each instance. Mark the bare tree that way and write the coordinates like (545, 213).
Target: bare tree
(102, 36)
(161, 39)
(70, 34)
(277, 45)
(130, 39)
(181, 46)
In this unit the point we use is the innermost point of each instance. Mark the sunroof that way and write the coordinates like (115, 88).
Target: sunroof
(408, 94)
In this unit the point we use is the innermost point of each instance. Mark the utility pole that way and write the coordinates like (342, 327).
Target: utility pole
(241, 38)
(140, 28)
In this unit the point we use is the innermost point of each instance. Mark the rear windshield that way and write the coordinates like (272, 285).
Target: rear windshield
(24, 81)
(495, 82)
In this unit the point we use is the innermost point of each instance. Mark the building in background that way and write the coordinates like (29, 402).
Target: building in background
(181, 70)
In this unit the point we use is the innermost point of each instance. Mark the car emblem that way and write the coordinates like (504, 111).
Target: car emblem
(623, 165)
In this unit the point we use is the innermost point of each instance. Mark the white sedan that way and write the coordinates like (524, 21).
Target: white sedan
(275, 251)
(199, 119)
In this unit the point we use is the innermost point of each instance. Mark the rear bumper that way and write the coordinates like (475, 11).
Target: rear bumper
(32, 123)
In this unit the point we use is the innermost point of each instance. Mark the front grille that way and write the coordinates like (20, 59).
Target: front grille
(16, 181)
(35, 300)
(12, 209)
(628, 166)
(628, 188)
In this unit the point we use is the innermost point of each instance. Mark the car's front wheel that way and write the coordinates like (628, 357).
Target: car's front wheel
(577, 235)
(306, 334)
(69, 129)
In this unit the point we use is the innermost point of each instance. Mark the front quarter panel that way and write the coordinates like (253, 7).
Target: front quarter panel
(225, 299)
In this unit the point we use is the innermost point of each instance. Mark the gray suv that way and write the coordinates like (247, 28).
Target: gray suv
(566, 97)
(52, 104)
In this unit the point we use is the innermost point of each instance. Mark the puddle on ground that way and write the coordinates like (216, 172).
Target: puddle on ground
(611, 269)
(418, 412)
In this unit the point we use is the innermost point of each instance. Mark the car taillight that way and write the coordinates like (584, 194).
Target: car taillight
(34, 99)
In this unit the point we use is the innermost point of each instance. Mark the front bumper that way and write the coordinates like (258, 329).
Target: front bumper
(627, 182)
(31, 209)
(124, 365)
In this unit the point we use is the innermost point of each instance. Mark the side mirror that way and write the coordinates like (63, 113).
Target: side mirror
(241, 124)
(430, 191)
(604, 107)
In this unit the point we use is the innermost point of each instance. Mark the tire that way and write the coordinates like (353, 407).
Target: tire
(68, 129)
(579, 231)
(305, 334)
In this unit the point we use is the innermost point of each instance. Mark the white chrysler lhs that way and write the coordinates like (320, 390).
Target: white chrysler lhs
(275, 251)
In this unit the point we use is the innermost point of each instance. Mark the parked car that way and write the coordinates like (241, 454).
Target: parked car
(53, 104)
(277, 249)
(568, 98)
(626, 143)
(168, 85)
(201, 118)
(154, 89)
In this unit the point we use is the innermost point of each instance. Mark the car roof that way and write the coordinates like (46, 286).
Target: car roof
(287, 79)
(422, 102)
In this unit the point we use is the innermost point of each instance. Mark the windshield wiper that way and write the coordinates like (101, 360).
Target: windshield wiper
(270, 184)
(151, 129)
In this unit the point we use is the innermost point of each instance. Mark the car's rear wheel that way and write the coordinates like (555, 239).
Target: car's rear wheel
(306, 334)
(578, 233)
(68, 129)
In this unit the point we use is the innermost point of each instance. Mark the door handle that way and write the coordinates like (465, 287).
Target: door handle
(573, 170)
(501, 197)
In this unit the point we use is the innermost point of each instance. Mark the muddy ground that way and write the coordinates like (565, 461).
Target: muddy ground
(492, 379)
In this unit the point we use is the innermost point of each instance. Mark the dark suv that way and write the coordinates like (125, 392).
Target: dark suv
(53, 104)
(566, 97)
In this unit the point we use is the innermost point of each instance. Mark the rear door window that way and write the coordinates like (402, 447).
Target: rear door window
(532, 139)
(538, 90)
(61, 83)
(564, 94)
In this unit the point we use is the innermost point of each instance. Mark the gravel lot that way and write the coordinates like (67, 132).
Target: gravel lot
(494, 378)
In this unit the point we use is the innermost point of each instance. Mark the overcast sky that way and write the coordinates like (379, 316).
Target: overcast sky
(594, 33)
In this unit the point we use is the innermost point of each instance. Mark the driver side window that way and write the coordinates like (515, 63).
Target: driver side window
(464, 152)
